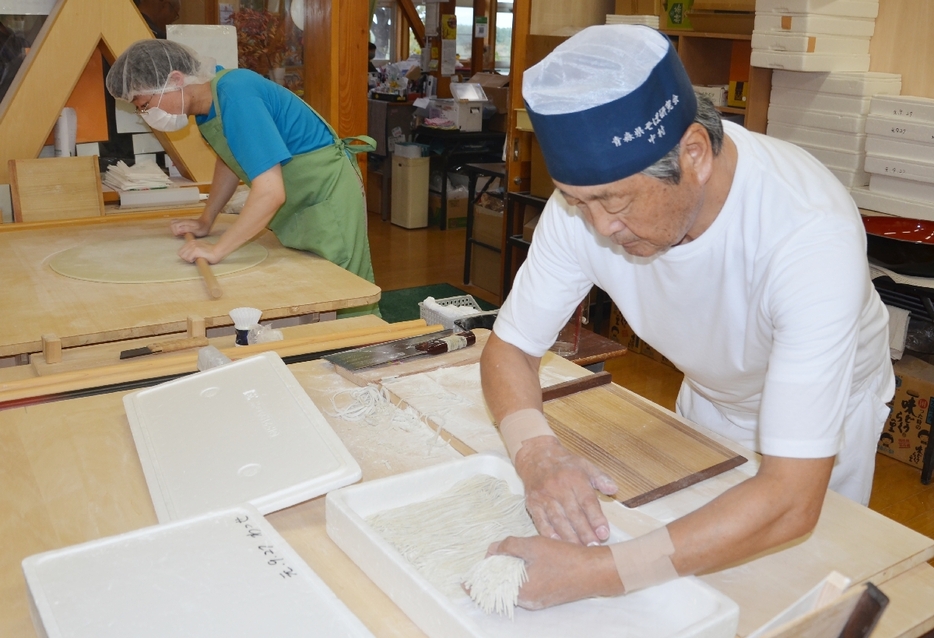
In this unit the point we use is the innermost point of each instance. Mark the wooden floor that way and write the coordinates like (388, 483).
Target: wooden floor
(405, 258)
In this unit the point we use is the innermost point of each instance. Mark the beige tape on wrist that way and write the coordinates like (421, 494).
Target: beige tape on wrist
(521, 426)
(644, 561)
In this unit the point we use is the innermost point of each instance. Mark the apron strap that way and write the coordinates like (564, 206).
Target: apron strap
(368, 145)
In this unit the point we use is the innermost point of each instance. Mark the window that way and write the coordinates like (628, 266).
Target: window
(383, 29)
(503, 45)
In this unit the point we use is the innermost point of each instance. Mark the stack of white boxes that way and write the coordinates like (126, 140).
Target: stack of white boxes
(825, 114)
(813, 35)
(899, 157)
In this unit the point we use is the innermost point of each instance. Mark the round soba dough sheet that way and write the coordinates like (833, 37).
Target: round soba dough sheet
(142, 260)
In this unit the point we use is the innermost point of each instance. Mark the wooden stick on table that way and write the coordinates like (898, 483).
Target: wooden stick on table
(210, 281)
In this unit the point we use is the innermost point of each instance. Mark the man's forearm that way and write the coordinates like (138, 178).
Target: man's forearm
(509, 378)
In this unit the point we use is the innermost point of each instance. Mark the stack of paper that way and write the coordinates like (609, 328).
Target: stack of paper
(647, 20)
(141, 176)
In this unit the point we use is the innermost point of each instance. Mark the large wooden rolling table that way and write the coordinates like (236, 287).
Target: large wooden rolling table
(37, 301)
(70, 473)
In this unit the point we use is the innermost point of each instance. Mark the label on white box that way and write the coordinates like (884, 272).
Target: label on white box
(919, 109)
(901, 128)
(893, 167)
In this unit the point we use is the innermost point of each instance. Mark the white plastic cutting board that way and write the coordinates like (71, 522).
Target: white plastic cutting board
(242, 432)
(228, 573)
(684, 608)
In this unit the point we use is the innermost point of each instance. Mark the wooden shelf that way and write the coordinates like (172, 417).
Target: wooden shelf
(674, 33)
(732, 109)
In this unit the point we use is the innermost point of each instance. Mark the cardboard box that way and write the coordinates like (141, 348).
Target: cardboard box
(484, 269)
(488, 226)
(906, 433)
(621, 332)
(528, 229)
(715, 93)
(496, 88)
(541, 184)
(676, 16)
(456, 213)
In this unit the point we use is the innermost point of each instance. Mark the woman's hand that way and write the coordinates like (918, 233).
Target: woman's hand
(197, 227)
(194, 249)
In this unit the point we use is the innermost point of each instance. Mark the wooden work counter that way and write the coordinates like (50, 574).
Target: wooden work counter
(70, 473)
(38, 301)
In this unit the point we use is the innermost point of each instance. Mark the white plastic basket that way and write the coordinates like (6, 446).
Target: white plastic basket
(433, 317)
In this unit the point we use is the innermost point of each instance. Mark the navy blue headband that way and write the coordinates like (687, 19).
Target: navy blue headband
(612, 141)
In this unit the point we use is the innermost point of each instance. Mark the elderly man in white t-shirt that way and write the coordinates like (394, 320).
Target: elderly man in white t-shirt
(737, 256)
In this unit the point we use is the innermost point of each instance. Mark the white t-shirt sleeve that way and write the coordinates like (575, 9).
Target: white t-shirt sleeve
(815, 300)
(551, 282)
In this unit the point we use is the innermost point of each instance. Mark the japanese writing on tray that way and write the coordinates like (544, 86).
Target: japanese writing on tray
(269, 552)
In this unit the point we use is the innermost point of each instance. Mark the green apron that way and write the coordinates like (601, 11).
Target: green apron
(325, 206)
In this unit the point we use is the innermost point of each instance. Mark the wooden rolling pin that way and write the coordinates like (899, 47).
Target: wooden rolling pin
(204, 268)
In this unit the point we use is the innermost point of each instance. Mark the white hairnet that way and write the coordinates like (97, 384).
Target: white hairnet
(596, 66)
(145, 66)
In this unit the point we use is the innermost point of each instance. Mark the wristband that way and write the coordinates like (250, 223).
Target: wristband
(644, 561)
(521, 426)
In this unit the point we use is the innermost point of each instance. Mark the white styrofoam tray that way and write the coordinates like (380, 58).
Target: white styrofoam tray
(242, 432)
(900, 128)
(228, 573)
(850, 179)
(891, 205)
(819, 101)
(813, 24)
(801, 43)
(843, 8)
(902, 188)
(683, 608)
(818, 119)
(816, 136)
(898, 167)
(833, 158)
(902, 149)
(854, 83)
(811, 62)
(919, 109)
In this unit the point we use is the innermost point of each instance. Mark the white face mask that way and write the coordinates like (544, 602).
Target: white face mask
(162, 120)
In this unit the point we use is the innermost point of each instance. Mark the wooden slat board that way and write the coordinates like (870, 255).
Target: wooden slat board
(38, 301)
(649, 455)
(56, 188)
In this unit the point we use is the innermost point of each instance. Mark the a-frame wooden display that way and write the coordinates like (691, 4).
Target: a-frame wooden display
(70, 34)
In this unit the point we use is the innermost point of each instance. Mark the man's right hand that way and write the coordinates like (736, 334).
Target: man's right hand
(559, 492)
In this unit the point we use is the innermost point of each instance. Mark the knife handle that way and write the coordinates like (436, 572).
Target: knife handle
(448, 344)
(179, 344)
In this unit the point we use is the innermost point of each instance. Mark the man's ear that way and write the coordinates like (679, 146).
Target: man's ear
(697, 152)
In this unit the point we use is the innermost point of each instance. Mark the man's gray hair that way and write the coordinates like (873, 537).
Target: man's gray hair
(668, 169)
